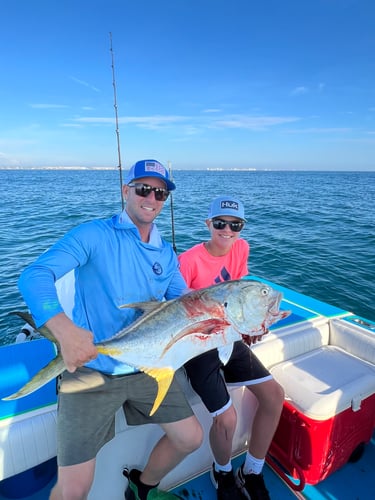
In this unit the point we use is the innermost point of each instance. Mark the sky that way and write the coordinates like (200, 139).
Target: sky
(245, 84)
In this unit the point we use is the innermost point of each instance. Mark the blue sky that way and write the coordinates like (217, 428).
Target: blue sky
(278, 84)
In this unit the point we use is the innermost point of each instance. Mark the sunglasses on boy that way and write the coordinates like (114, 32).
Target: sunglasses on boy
(145, 190)
(236, 227)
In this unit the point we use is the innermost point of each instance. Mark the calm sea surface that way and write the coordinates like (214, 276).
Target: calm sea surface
(311, 231)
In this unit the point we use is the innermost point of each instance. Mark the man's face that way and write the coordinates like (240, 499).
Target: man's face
(143, 210)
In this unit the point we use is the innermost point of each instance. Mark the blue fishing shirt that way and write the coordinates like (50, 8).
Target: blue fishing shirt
(112, 266)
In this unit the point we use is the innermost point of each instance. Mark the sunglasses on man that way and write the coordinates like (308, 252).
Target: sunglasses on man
(145, 190)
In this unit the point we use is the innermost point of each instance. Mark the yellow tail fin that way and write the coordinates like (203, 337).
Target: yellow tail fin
(163, 377)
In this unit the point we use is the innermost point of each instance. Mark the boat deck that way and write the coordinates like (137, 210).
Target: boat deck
(354, 481)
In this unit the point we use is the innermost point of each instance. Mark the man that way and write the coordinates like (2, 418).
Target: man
(224, 257)
(115, 261)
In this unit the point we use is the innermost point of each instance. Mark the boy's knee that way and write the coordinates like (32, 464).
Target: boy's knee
(227, 421)
(276, 399)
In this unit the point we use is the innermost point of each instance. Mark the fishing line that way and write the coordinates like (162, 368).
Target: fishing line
(116, 115)
(172, 212)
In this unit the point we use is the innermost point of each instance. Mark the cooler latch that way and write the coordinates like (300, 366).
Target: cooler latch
(356, 403)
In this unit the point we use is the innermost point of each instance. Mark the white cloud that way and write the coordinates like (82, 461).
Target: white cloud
(322, 130)
(47, 106)
(299, 91)
(148, 122)
(254, 122)
(85, 84)
(71, 125)
(211, 110)
(194, 124)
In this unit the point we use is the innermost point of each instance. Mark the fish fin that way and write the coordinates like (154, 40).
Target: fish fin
(163, 377)
(108, 350)
(144, 306)
(45, 375)
(284, 313)
(43, 330)
(225, 352)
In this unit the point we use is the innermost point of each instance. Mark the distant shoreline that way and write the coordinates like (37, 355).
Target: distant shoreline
(58, 168)
(189, 169)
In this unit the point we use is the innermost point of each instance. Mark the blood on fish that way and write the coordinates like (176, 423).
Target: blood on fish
(196, 306)
(201, 331)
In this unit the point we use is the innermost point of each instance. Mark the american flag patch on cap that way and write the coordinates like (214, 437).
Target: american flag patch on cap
(154, 166)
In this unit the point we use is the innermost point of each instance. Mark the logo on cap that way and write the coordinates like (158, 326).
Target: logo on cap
(233, 205)
(152, 166)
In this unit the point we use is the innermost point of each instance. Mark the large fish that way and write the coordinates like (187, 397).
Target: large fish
(170, 333)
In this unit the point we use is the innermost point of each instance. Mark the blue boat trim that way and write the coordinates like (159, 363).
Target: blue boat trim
(309, 303)
(18, 363)
(363, 322)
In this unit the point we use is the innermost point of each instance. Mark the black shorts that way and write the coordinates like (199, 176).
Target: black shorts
(209, 377)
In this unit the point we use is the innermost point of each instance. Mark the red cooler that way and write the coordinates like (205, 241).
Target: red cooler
(328, 415)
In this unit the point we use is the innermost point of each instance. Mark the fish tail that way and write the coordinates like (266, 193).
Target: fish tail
(43, 330)
(49, 372)
(26, 317)
(163, 377)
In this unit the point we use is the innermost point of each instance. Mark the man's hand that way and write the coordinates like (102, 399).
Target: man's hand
(76, 344)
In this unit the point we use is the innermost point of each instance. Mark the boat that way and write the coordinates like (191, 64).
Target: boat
(324, 447)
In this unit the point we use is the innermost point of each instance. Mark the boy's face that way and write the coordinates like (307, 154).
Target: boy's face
(224, 237)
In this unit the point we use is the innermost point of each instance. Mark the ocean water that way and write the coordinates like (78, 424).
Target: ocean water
(310, 231)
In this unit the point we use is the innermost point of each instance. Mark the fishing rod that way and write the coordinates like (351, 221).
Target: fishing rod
(172, 212)
(119, 150)
(117, 129)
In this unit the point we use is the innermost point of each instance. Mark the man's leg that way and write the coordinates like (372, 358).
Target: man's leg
(180, 439)
(74, 481)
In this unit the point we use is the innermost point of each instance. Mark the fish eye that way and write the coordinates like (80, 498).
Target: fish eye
(264, 292)
(225, 304)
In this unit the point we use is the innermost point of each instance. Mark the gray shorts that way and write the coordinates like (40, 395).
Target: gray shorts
(88, 401)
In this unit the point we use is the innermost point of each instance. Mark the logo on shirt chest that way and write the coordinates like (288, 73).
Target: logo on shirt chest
(157, 269)
(224, 276)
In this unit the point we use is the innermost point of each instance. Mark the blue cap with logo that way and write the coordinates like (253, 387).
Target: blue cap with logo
(226, 205)
(149, 168)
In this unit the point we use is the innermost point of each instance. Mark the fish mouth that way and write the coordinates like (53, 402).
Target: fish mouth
(274, 308)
